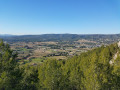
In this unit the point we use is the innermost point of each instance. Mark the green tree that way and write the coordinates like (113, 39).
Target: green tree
(10, 74)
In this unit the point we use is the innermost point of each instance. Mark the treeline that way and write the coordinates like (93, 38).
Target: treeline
(89, 71)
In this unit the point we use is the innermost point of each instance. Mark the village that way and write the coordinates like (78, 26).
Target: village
(35, 51)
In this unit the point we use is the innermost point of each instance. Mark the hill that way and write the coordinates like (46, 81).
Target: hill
(59, 37)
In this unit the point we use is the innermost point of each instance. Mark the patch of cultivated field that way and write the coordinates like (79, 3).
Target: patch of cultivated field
(58, 57)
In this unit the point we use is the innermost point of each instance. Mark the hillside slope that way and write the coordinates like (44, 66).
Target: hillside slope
(91, 70)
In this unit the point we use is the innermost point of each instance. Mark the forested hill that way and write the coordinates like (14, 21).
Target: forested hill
(59, 37)
(98, 69)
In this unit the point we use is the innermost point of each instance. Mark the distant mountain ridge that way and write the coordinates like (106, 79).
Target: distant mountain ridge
(6, 35)
(58, 37)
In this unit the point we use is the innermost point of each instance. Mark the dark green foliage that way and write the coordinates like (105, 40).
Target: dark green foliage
(89, 71)
(10, 74)
(30, 78)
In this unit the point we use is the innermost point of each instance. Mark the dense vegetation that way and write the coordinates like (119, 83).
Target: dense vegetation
(89, 71)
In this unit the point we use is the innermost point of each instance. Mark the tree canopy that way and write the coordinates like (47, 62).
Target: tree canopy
(89, 71)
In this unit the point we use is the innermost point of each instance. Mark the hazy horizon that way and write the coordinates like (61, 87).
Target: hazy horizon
(64, 33)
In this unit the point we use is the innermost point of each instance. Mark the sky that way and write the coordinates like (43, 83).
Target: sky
(20, 17)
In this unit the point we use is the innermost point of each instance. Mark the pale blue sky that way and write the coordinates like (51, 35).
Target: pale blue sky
(59, 16)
